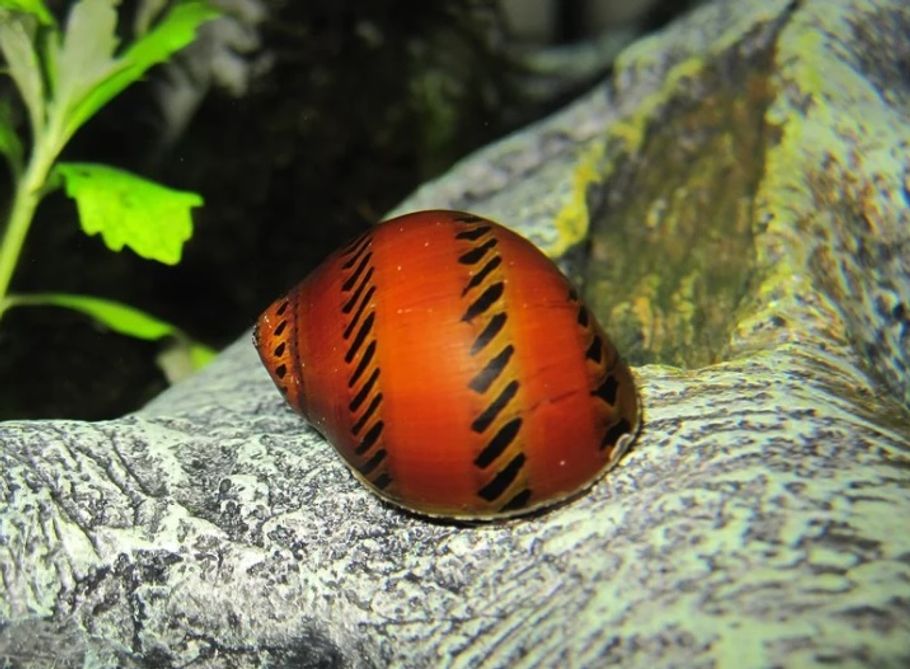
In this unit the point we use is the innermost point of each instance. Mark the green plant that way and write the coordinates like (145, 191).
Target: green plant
(64, 76)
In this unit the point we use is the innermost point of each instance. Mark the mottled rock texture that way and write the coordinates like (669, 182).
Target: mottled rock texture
(736, 199)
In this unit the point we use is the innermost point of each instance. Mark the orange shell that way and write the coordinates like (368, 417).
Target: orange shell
(453, 367)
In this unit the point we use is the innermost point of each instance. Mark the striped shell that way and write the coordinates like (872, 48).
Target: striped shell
(453, 367)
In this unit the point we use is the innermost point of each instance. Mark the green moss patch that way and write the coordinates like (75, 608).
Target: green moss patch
(672, 252)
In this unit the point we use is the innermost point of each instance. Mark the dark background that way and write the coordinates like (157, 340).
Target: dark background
(348, 107)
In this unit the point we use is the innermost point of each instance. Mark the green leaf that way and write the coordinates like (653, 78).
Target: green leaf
(35, 7)
(88, 75)
(85, 56)
(117, 316)
(183, 357)
(120, 318)
(23, 65)
(128, 210)
(10, 145)
(201, 355)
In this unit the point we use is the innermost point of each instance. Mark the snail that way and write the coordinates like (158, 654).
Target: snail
(453, 367)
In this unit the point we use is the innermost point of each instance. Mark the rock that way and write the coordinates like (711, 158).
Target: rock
(742, 182)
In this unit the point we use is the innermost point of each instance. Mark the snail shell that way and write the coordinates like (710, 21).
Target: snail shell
(453, 367)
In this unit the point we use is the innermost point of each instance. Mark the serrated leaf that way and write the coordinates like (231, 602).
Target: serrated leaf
(128, 210)
(10, 144)
(173, 32)
(86, 53)
(90, 89)
(34, 7)
(24, 68)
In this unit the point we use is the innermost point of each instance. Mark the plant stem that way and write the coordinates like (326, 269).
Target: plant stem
(28, 194)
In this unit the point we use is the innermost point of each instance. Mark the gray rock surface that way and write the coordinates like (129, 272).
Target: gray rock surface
(761, 519)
